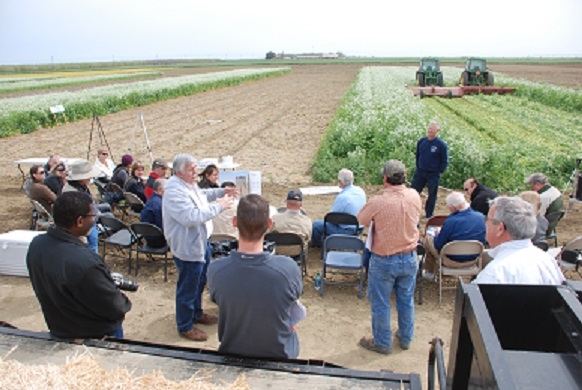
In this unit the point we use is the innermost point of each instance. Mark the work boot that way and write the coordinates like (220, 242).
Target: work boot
(207, 319)
(195, 334)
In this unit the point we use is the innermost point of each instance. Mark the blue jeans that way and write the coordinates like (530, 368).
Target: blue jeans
(189, 289)
(431, 180)
(93, 239)
(118, 334)
(387, 273)
(332, 228)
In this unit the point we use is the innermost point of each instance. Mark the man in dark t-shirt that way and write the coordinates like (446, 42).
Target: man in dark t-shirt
(256, 292)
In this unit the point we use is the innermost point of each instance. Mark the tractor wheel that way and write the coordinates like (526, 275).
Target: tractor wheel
(420, 79)
(465, 78)
(490, 79)
(440, 79)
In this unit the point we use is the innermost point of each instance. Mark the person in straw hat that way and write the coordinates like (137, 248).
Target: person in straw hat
(79, 177)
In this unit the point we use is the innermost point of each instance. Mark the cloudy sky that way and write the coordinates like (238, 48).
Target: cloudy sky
(36, 31)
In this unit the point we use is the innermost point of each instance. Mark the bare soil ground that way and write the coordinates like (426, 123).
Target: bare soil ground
(275, 126)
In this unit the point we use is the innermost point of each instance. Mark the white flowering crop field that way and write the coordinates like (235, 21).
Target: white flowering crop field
(498, 139)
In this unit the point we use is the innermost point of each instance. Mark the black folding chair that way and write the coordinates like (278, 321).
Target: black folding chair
(119, 235)
(295, 244)
(146, 233)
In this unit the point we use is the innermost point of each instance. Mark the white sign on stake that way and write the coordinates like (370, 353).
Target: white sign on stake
(57, 109)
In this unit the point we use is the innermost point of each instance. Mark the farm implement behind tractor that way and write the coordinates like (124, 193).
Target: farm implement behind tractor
(460, 91)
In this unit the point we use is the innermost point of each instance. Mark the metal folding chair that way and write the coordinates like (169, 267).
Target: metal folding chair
(146, 231)
(295, 244)
(345, 253)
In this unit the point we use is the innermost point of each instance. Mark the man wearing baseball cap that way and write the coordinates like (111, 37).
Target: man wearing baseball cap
(293, 220)
(159, 168)
(394, 215)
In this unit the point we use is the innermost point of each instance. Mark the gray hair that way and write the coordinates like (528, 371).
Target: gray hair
(537, 178)
(180, 161)
(456, 199)
(346, 177)
(517, 215)
(159, 183)
(435, 123)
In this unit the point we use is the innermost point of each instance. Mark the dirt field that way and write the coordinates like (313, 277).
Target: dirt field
(274, 126)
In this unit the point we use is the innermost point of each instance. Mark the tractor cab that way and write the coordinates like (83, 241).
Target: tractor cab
(429, 65)
(476, 73)
(429, 72)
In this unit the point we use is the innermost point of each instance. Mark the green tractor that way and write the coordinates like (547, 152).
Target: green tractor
(476, 73)
(429, 72)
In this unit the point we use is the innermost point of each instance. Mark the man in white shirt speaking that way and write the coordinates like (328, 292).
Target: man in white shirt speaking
(511, 223)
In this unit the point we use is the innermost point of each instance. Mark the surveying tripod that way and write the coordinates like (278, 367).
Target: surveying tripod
(101, 133)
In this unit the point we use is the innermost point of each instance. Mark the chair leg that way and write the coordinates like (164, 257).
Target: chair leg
(361, 292)
(440, 284)
(129, 262)
(166, 267)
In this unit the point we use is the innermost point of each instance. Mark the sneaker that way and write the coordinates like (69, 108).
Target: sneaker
(207, 319)
(428, 275)
(195, 334)
(368, 343)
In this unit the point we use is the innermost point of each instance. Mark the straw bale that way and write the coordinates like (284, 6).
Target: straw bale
(84, 372)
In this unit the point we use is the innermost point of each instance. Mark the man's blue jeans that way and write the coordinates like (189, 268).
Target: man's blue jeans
(332, 228)
(191, 281)
(93, 239)
(387, 273)
(431, 180)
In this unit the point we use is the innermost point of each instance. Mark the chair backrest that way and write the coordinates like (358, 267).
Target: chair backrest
(543, 245)
(340, 219)
(42, 211)
(113, 224)
(574, 244)
(146, 229)
(284, 239)
(435, 221)
(115, 188)
(132, 199)
(343, 242)
(553, 219)
(461, 247)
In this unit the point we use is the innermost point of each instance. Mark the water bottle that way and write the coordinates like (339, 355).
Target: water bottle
(317, 281)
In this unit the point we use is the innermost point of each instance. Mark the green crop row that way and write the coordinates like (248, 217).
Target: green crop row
(498, 139)
(28, 113)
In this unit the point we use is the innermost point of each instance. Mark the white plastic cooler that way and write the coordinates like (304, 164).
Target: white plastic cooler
(13, 249)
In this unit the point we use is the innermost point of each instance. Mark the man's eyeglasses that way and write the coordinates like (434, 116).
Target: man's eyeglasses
(61, 169)
(105, 154)
(40, 172)
(466, 189)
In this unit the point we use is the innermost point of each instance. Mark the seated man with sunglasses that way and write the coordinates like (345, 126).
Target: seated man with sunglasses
(38, 190)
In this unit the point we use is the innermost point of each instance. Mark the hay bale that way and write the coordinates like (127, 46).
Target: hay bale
(85, 372)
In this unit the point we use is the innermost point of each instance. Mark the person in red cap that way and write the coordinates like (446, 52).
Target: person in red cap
(159, 169)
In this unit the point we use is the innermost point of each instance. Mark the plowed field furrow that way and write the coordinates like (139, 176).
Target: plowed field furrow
(265, 124)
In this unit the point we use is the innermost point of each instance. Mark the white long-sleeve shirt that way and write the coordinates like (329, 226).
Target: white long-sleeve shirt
(520, 262)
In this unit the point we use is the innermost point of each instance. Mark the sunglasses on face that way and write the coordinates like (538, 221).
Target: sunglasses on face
(105, 154)
(40, 172)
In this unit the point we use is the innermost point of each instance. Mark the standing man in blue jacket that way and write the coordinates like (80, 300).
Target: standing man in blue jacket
(432, 158)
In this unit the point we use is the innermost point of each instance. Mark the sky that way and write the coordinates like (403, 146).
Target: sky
(58, 31)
